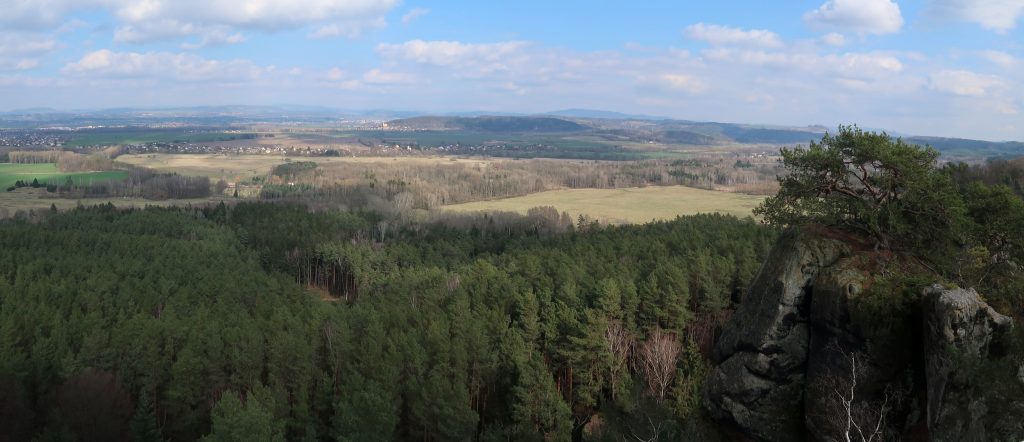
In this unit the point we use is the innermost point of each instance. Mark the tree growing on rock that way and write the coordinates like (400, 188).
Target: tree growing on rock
(867, 182)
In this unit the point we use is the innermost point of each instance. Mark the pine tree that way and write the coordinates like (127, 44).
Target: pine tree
(237, 421)
(143, 424)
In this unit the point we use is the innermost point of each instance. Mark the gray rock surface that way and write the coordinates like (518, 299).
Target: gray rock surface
(779, 359)
(761, 357)
(958, 325)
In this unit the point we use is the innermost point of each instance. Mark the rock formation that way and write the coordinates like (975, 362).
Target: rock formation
(795, 345)
(761, 357)
(958, 324)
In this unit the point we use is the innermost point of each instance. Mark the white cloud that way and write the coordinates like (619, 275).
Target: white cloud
(861, 16)
(852, 65)
(350, 85)
(148, 20)
(35, 14)
(18, 44)
(961, 82)
(1002, 59)
(335, 74)
(833, 39)
(679, 82)
(169, 29)
(379, 77)
(155, 30)
(995, 15)
(105, 63)
(351, 29)
(413, 14)
(21, 51)
(214, 38)
(26, 63)
(726, 36)
(257, 14)
(864, 65)
(451, 53)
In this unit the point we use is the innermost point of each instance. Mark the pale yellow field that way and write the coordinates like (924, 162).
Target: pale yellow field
(622, 206)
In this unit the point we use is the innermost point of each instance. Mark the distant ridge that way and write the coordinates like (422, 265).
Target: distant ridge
(608, 115)
(492, 123)
(608, 124)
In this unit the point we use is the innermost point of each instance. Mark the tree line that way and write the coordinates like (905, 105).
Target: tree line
(66, 161)
(402, 185)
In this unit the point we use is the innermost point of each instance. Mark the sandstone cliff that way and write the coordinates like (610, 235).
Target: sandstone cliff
(806, 358)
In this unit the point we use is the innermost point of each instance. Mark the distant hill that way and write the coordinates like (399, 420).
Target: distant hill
(754, 135)
(591, 113)
(965, 147)
(499, 124)
(613, 126)
(675, 136)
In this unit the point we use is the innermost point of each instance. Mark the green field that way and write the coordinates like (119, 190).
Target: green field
(10, 173)
(624, 206)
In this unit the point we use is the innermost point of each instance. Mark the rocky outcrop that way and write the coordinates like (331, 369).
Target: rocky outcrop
(958, 326)
(761, 356)
(802, 324)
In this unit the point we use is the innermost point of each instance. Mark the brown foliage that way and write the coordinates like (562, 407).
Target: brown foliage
(95, 406)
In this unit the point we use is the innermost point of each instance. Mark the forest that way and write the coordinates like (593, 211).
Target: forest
(282, 320)
(270, 322)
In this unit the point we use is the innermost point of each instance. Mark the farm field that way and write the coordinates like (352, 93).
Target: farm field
(11, 173)
(624, 206)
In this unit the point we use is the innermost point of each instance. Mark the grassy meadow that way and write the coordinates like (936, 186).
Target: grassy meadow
(623, 206)
(10, 173)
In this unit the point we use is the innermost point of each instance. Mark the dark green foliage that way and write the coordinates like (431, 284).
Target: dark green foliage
(290, 170)
(956, 222)
(368, 413)
(191, 324)
(992, 259)
(235, 420)
(143, 424)
(870, 183)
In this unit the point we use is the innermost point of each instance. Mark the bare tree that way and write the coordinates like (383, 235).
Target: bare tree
(846, 413)
(620, 344)
(656, 359)
(654, 435)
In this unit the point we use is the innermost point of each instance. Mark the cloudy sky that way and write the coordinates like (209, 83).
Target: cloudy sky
(936, 67)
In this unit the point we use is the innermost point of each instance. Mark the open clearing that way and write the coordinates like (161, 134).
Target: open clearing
(10, 173)
(623, 206)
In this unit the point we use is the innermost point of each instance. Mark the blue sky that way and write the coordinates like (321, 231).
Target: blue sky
(935, 67)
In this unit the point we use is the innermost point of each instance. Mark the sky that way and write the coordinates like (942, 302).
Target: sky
(927, 67)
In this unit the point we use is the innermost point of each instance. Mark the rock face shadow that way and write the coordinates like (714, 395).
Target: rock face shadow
(795, 363)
